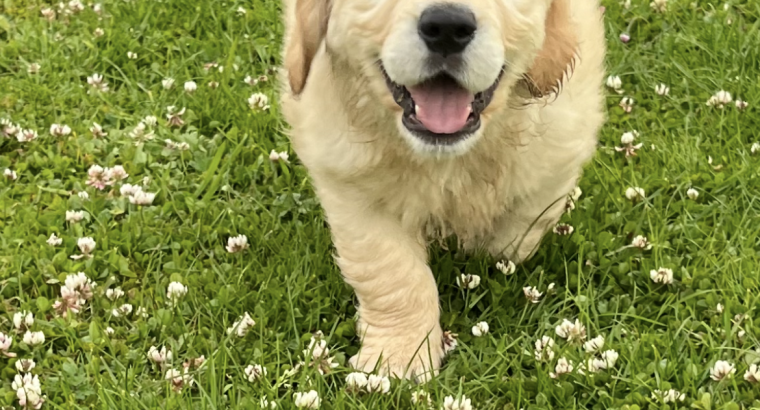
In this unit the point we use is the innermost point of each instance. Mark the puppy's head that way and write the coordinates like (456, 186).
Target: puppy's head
(442, 68)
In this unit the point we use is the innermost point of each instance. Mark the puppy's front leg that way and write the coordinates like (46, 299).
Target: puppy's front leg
(398, 299)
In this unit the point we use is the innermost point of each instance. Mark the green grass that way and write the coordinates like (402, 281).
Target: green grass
(667, 336)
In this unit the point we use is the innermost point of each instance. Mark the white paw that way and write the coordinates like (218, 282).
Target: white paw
(401, 356)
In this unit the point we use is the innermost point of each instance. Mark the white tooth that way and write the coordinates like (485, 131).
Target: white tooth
(416, 108)
(469, 109)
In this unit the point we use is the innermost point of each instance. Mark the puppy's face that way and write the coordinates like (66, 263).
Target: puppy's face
(443, 68)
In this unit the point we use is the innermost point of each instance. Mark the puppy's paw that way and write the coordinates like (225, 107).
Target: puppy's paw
(402, 357)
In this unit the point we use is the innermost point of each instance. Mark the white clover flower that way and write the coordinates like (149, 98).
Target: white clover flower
(241, 326)
(190, 86)
(76, 6)
(96, 177)
(98, 32)
(141, 133)
(610, 358)
(9, 129)
(25, 365)
(264, 403)
(241, 11)
(461, 403)
(23, 320)
(74, 216)
(629, 137)
(115, 174)
(628, 147)
(741, 105)
(422, 397)
(593, 365)
(752, 374)
(78, 286)
(307, 400)
(563, 229)
(692, 193)
(48, 13)
(641, 242)
(141, 312)
(174, 118)
(720, 99)
(506, 267)
(5, 344)
(60, 130)
(179, 379)
(449, 341)
(594, 345)
(719, 308)
(28, 391)
(97, 8)
(627, 104)
(356, 381)
(635, 193)
(34, 338)
(237, 243)
(468, 281)
(9, 174)
(213, 85)
(255, 372)
(167, 83)
(544, 349)
(275, 156)
(722, 370)
(176, 291)
(142, 198)
(26, 135)
(123, 310)
(755, 148)
(668, 396)
(54, 240)
(131, 55)
(615, 83)
(480, 329)
(97, 82)
(532, 294)
(33, 68)
(662, 275)
(573, 332)
(150, 120)
(378, 384)
(258, 102)
(250, 80)
(564, 366)
(662, 89)
(110, 331)
(86, 246)
(97, 130)
(659, 5)
(129, 189)
(113, 294)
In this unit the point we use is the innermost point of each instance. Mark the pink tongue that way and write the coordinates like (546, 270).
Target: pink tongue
(442, 105)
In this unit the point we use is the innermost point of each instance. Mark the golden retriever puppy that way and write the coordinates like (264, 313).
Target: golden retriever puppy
(421, 119)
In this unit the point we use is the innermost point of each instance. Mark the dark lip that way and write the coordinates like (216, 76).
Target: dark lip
(403, 98)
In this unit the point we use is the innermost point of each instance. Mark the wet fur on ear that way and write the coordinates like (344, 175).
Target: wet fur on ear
(556, 60)
(307, 32)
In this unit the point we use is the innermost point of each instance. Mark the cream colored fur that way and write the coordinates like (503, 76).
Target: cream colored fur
(386, 196)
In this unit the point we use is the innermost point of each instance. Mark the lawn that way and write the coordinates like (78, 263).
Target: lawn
(139, 182)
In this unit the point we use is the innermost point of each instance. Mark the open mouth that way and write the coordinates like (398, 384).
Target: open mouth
(439, 110)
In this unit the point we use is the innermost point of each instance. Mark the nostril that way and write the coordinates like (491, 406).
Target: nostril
(447, 29)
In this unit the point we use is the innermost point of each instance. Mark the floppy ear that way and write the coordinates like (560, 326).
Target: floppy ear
(557, 56)
(307, 31)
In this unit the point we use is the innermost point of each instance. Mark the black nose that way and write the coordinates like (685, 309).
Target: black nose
(447, 29)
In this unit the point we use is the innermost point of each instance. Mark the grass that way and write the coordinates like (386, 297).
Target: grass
(667, 336)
